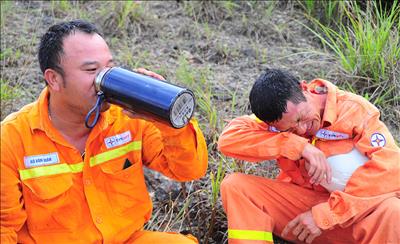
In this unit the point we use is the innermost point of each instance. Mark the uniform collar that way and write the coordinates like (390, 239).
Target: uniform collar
(39, 115)
(330, 114)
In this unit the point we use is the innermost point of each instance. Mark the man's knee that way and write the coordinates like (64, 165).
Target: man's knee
(229, 182)
(236, 181)
(380, 226)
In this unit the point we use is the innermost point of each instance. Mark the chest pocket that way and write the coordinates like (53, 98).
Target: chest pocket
(51, 203)
(125, 186)
(48, 187)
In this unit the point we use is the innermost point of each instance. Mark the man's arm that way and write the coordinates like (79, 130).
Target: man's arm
(180, 154)
(13, 215)
(251, 140)
(370, 183)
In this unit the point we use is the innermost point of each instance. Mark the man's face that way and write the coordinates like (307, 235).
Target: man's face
(84, 55)
(302, 119)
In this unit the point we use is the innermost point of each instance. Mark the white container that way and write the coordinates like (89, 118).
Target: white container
(343, 167)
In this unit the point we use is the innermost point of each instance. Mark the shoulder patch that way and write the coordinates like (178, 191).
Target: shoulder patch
(378, 140)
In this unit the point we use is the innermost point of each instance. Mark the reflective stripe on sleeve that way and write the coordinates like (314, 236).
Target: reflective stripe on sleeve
(26, 174)
(109, 155)
(250, 235)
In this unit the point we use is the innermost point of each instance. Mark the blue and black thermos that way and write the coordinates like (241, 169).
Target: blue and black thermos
(146, 95)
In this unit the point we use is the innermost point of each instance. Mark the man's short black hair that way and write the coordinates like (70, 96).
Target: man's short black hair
(271, 92)
(51, 43)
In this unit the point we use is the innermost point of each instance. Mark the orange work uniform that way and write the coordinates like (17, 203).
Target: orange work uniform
(367, 211)
(51, 194)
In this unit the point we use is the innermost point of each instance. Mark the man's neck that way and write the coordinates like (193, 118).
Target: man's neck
(69, 123)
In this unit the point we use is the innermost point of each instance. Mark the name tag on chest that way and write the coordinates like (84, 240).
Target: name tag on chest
(331, 135)
(40, 160)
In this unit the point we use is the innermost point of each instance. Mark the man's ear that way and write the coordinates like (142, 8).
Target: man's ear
(54, 79)
(303, 85)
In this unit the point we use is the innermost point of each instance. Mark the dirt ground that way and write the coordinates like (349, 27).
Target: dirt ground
(228, 48)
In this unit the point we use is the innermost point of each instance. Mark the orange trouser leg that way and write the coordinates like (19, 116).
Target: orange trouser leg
(149, 237)
(381, 225)
(259, 204)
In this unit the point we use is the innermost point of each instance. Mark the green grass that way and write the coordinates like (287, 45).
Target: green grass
(325, 11)
(70, 10)
(62, 6)
(210, 11)
(6, 53)
(174, 213)
(216, 179)
(197, 80)
(367, 45)
(5, 8)
(8, 93)
(130, 9)
(125, 18)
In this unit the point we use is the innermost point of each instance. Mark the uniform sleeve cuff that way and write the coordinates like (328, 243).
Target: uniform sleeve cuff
(323, 216)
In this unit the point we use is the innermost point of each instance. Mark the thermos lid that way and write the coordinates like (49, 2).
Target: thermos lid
(182, 109)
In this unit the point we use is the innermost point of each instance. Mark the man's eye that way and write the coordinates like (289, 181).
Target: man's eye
(91, 70)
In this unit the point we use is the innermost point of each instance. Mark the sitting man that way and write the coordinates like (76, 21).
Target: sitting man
(62, 182)
(340, 166)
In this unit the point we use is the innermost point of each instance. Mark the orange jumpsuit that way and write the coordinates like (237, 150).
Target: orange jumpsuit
(50, 194)
(367, 211)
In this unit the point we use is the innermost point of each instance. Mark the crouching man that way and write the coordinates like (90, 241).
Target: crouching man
(340, 166)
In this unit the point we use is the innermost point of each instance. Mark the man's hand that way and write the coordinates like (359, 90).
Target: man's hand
(303, 227)
(318, 166)
(149, 73)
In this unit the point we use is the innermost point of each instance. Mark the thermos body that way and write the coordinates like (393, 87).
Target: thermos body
(143, 94)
